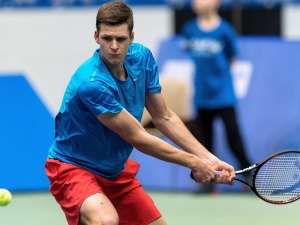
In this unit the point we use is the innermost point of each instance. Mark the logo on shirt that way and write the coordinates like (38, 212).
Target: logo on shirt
(205, 46)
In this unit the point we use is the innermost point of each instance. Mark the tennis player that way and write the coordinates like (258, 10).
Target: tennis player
(98, 124)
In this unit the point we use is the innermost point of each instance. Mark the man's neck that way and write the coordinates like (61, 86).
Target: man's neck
(117, 70)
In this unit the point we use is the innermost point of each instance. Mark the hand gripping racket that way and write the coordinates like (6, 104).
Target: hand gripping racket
(276, 179)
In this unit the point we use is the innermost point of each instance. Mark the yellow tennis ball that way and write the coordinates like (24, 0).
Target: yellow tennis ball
(5, 197)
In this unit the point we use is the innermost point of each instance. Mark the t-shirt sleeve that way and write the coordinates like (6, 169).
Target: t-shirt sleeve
(186, 42)
(152, 69)
(231, 43)
(98, 98)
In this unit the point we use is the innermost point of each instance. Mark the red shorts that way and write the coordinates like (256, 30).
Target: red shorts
(71, 185)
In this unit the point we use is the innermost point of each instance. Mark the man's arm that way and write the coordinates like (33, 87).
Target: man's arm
(172, 126)
(125, 125)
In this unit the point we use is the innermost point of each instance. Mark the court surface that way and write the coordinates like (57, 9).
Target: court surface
(177, 208)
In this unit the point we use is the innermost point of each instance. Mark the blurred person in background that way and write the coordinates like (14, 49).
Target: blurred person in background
(91, 175)
(211, 43)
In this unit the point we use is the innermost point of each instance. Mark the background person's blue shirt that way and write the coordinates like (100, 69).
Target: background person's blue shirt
(211, 52)
(80, 138)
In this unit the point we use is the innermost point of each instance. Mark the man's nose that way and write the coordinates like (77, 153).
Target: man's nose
(114, 45)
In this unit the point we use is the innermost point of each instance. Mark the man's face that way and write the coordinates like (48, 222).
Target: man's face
(114, 42)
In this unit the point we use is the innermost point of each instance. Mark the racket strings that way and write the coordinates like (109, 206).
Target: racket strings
(278, 180)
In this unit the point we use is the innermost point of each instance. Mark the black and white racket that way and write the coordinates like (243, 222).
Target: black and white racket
(276, 179)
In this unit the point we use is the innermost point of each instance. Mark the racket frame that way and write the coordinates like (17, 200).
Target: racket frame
(255, 168)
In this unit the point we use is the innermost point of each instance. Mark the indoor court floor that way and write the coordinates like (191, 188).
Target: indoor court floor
(178, 209)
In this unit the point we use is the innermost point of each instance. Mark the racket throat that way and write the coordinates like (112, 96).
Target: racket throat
(244, 182)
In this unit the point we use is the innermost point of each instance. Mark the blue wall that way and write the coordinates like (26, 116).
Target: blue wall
(26, 132)
(172, 3)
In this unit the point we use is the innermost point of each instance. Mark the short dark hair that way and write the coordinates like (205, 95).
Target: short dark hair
(114, 13)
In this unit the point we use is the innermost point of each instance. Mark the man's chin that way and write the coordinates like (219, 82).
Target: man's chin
(114, 60)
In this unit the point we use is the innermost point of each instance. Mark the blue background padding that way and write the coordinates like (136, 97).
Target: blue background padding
(176, 4)
(26, 133)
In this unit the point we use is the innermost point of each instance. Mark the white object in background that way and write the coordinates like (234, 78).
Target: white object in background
(242, 73)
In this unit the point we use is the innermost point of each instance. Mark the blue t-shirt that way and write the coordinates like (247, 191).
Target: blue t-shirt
(80, 138)
(211, 52)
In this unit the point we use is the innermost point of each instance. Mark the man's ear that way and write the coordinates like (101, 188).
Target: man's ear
(96, 36)
(131, 37)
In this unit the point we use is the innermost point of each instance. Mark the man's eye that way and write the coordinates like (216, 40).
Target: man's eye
(121, 39)
(106, 38)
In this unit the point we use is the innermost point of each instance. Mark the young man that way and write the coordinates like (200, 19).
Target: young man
(98, 124)
(211, 42)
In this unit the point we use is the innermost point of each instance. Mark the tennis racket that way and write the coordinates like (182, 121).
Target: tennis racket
(276, 179)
